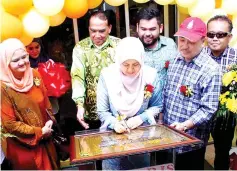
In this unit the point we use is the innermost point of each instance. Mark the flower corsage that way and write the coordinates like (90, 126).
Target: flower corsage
(167, 63)
(148, 91)
(186, 91)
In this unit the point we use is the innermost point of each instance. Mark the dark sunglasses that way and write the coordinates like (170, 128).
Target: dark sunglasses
(218, 35)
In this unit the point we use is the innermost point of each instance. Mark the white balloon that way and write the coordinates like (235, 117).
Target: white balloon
(233, 42)
(202, 8)
(186, 3)
(49, 7)
(230, 6)
(217, 11)
(35, 24)
(234, 20)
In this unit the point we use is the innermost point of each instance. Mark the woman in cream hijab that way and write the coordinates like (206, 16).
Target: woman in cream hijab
(23, 111)
(131, 89)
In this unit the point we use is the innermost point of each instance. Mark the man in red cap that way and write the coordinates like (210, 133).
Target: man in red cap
(191, 92)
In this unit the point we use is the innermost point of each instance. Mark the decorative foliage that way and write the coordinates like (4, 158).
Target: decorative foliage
(228, 97)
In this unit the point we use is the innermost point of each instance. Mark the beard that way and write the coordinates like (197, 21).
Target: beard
(154, 40)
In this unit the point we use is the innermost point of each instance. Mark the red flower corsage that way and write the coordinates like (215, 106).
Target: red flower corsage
(186, 91)
(148, 91)
(167, 63)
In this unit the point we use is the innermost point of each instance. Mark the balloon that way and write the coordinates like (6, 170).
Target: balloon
(25, 38)
(230, 6)
(115, 2)
(75, 8)
(1, 8)
(218, 3)
(163, 2)
(233, 42)
(202, 9)
(10, 29)
(173, 3)
(94, 3)
(186, 3)
(35, 24)
(16, 7)
(57, 19)
(49, 7)
(215, 12)
(182, 10)
(140, 1)
(234, 21)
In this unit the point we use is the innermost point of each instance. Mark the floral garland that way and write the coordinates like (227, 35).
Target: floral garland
(148, 91)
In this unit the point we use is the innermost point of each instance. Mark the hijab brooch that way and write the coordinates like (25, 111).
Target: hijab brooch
(148, 91)
(37, 81)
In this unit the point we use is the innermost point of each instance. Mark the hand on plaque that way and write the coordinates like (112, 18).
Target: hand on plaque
(134, 122)
(119, 127)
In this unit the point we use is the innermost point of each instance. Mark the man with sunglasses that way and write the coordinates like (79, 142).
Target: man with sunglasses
(218, 37)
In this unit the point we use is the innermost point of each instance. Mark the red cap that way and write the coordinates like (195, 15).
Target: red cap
(192, 28)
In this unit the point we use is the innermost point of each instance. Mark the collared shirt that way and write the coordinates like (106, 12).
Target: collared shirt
(203, 76)
(228, 57)
(88, 60)
(165, 50)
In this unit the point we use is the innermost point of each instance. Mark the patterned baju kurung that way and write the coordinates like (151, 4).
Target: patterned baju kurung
(24, 115)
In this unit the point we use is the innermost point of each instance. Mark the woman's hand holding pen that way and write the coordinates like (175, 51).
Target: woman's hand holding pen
(120, 127)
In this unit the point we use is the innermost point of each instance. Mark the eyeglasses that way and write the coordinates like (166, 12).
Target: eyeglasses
(218, 35)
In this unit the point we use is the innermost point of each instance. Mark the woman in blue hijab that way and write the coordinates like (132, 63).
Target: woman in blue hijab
(36, 52)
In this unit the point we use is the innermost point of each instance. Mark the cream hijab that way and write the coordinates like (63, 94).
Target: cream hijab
(127, 93)
(7, 50)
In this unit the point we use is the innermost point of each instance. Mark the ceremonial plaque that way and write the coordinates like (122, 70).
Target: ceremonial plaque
(102, 145)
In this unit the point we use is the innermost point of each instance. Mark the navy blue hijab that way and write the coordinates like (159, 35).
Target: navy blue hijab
(43, 57)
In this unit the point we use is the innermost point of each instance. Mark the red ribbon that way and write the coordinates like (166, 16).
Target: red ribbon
(56, 78)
